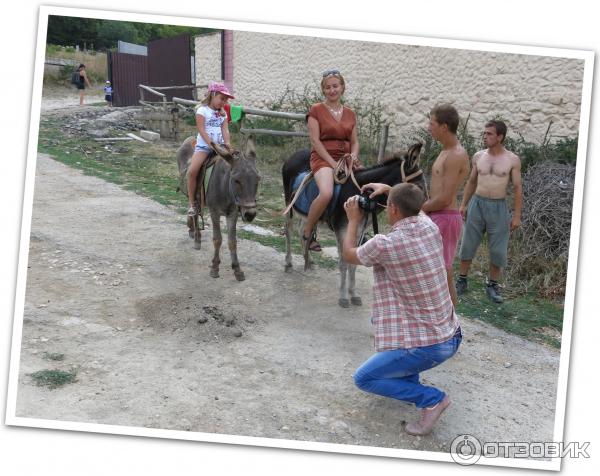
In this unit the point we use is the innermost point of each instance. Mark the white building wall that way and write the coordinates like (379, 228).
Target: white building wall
(208, 59)
(527, 91)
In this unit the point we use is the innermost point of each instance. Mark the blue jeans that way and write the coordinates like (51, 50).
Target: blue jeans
(395, 373)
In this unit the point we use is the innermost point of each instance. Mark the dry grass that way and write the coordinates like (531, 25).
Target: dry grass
(95, 63)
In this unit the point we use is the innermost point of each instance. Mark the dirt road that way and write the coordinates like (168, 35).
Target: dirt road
(115, 285)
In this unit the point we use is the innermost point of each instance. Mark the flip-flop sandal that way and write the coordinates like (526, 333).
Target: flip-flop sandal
(313, 244)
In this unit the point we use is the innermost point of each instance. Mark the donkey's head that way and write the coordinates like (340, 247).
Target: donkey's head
(243, 178)
(409, 162)
(410, 170)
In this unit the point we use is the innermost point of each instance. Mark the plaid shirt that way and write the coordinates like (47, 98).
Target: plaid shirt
(411, 301)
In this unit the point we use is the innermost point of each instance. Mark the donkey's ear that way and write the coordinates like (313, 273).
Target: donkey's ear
(222, 151)
(250, 148)
(414, 153)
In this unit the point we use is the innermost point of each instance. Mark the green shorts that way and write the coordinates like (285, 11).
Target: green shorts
(489, 215)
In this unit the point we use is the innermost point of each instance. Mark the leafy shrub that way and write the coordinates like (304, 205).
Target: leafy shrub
(270, 123)
(52, 49)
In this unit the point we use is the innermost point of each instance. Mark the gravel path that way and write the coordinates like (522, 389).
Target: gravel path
(115, 285)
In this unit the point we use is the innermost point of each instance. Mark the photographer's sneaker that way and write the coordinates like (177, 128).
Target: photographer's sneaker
(428, 418)
(493, 292)
(461, 285)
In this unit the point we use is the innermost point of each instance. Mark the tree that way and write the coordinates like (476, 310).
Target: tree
(110, 32)
(70, 31)
(104, 34)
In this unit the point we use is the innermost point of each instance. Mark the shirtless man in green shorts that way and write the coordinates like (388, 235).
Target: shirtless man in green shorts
(484, 208)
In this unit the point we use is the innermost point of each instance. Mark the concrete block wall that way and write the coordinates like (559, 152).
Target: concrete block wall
(527, 91)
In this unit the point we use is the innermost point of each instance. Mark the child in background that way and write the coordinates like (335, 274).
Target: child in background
(108, 93)
(211, 121)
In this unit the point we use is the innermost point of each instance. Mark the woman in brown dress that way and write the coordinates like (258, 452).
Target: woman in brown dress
(333, 137)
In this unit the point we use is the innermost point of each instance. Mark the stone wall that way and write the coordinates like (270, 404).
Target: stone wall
(527, 91)
(208, 60)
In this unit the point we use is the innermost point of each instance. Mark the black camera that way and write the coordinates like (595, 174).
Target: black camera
(365, 202)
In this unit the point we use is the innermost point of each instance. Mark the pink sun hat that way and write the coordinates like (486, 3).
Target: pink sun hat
(220, 88)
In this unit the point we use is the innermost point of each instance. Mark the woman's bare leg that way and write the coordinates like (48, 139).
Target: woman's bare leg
(324, 179)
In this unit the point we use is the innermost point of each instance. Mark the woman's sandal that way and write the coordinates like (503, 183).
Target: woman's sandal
(313, 244)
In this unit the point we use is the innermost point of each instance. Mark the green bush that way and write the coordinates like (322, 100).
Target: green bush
(65, 72)
(271, 123)
(52, 49)
(563, 151)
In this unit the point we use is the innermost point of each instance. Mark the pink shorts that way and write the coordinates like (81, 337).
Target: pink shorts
(450, 225)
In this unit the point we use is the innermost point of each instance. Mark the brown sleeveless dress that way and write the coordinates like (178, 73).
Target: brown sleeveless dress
(335, 135)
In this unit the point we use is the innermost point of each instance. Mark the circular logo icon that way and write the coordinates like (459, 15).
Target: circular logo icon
(465, 450)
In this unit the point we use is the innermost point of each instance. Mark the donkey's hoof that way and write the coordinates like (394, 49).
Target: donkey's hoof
(214, 273)
(309, 265)
(191, 233)
(356, 301)
(344, 302)
(197, 245)
(239, 275)
(288, 267)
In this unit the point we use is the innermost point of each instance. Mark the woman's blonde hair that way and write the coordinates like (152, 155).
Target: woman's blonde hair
(335, 74)
(208, 98)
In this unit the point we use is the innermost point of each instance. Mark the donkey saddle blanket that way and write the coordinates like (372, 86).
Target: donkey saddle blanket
(310, 192)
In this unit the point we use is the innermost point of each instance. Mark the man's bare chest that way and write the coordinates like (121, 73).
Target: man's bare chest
(437, 169)
(499, 167)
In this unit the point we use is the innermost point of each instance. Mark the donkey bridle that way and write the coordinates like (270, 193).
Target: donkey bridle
(405, 179)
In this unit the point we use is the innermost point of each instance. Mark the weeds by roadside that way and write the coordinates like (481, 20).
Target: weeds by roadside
(53, 378)
(53, 356)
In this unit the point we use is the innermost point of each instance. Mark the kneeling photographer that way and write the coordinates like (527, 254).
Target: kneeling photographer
(414, 322)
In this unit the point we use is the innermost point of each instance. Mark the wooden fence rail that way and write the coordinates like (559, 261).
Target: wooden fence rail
(292, 116)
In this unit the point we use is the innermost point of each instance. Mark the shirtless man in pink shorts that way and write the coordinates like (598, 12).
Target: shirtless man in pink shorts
(448, 173)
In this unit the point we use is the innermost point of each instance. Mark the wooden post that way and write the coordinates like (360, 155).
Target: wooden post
(383, 142)
(175, 122)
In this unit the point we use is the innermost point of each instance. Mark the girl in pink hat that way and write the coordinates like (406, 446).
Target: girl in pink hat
(211, 121)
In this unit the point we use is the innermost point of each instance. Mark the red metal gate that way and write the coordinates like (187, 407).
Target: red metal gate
(126, 72)
(167, 64)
